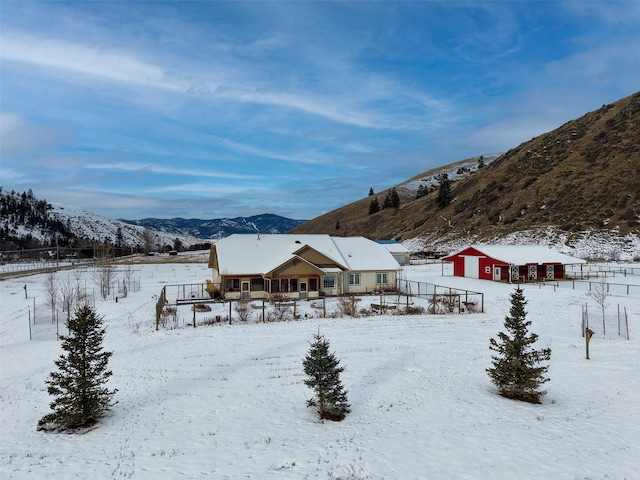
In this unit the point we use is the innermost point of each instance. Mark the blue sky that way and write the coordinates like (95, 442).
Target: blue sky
(205, 109)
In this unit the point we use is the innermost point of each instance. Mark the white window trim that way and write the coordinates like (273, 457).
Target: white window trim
(324, 280)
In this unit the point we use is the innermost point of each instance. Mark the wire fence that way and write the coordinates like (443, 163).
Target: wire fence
(588, 286)
(600, 271)
(606, 324)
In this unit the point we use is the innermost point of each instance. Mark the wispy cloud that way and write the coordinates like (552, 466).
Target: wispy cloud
(166, 170)
(83, 60)
(294, 107)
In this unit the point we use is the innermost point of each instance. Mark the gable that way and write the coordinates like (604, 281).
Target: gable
(313, 256)
(295, 267)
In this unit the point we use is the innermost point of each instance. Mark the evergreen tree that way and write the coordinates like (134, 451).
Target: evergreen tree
(78, 386)
(395, 198)
(374, 206)
(444, 191)
(337, 224)
(323, 372)
(371, 192)
(481, 162)
(516, 371)
(387, 202)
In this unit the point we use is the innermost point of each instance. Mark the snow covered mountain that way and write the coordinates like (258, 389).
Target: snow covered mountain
(90, 225)
(220, 227)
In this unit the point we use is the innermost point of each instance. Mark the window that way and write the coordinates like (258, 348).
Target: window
(233, 284)
(354, 279)
(381, 278)
(257, 284)
(284, 285)
(487, 270)
(313, 284)
(328, 281)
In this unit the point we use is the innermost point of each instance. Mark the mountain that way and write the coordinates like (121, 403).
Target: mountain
(221, 227)
(29, 223)
(576, 188)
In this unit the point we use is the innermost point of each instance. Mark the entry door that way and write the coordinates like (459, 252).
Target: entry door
(303, 290)
(496, 274)
(550, 271)
(533, 272)
(246, 291)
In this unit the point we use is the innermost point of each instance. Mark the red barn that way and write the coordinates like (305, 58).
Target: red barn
(514, 263)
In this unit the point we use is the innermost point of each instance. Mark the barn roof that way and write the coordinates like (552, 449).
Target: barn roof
(524, 254)
(241, 254)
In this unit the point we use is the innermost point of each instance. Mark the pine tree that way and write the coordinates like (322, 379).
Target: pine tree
(371, 192)
(323, 372)
(516, 371)
(444, 191)
(81, 398)
(395, 198)
(387, 202)
(374, 206)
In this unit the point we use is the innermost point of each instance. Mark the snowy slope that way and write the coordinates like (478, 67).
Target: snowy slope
(228, 401)
(454, 171)
(91, 225)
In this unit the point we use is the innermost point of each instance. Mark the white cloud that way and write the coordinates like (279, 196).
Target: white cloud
(156, 169)
(83, 59)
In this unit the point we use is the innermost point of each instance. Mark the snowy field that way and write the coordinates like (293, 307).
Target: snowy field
(229, 402)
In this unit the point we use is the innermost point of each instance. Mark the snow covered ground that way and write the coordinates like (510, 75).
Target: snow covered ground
(228, 401)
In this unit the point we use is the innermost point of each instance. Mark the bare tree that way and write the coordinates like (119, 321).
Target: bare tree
(80, 292)
(105, 270)
(68, 295)
(600, 294)
(128, 276)
(147, 239)
(52, 293)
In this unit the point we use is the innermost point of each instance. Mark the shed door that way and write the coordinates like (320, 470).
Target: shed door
(471, 267)
(550, 271)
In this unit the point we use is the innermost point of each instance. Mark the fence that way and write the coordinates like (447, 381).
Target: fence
(126, 286)
(588, 286)
(444, 299)
(600, 271)
(47, 324)
(607, 325)
(437, 299)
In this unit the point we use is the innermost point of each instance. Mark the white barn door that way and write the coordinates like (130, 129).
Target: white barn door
(472, 267)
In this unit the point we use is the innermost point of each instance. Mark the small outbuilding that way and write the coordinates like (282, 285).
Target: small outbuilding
(399, 252)
(510, 263)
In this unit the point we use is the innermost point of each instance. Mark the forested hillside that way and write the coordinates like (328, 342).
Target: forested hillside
(26, 223)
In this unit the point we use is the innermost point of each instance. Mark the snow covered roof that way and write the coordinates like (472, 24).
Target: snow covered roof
(258, 254)
(523, 254)
(393, 246)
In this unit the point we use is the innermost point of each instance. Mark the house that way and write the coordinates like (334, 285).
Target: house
(399, 252)
(510, 263)
(300, 266)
